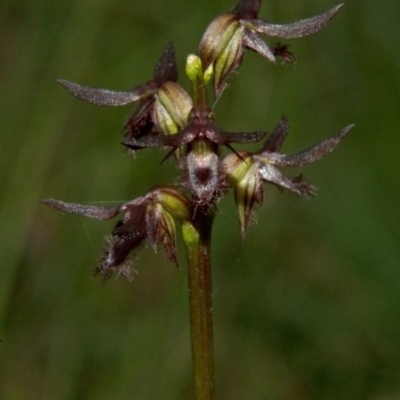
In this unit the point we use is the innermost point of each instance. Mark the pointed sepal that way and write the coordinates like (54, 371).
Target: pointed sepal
(247, 9)
(166, 68)
(312, 153)
(86, 210)
(105, 97)
(296, 29)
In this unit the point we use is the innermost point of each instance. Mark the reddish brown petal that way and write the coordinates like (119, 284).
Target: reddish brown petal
(134, 222)
(127, 235)
(271, 174)
(225, 138)
(166, 69)
(116, 256)
(247, 9)
(276, 138)
(183, 137)
(313, 153)
(84, 209)
(296, 29)
(253, 41)
(140, 123)
(104, 97)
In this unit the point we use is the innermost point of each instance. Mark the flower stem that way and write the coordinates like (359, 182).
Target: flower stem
(197, 236)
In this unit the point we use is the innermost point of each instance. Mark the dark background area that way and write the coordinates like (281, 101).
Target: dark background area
(307, 307)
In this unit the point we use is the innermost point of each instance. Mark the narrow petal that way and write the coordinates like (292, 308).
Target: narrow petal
(313, 153)
(83, 209)
(276, 138)
(297, 29)
(166, 69)
(140, 123)
(271, 174)
(253, 41)
(247, 9)
(224, 138)
(116, 256)
(128, 234)
(183, 137)
(104, 97)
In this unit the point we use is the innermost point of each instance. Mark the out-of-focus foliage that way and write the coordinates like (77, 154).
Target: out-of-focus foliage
(307, 307)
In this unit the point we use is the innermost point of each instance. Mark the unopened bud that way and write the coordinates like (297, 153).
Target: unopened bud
(236, 167)
(194, 71)
(176, 102)
(172, 200)
(193, 68)
(248, 192)
(217, 37)
(229, 60)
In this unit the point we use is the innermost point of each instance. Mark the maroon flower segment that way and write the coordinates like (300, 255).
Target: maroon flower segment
(225, 39)
(148, 218)
(245, 172)
(145, 119)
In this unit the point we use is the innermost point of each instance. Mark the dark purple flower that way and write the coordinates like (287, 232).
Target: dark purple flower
(146, 218)
(246, 172)
(163, 104)
(201, 165)
(225, 39)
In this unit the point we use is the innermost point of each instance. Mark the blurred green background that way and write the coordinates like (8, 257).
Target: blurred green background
(307, 307)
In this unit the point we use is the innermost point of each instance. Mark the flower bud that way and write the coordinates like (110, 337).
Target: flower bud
(171, 109)
(176, 102)
(236, 168)
(228, 60)
(163, 120)
(221, 48)
(194, 67)
(248, 192)
(172, 200)
(242, 175)
(217, 37)
(194, 71)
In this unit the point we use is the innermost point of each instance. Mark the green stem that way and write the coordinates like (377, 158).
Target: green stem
(197, 237)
